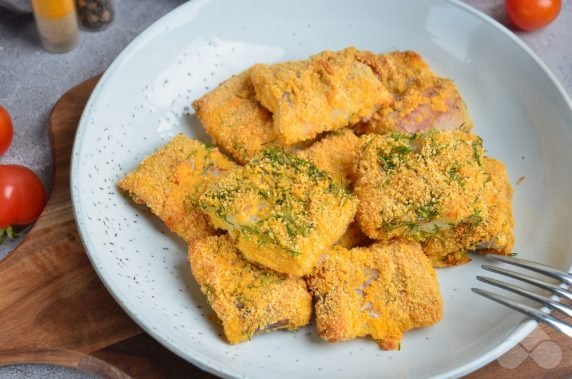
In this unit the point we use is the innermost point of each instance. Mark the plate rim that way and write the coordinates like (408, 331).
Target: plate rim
(198, 359)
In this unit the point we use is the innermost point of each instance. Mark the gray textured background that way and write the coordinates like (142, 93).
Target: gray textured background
(32, 80)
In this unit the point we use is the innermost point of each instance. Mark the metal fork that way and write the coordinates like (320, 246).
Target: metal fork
(564, 278)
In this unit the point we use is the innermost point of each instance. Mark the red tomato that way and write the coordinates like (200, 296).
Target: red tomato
(532, 14)
(22, 196)
(6, 130)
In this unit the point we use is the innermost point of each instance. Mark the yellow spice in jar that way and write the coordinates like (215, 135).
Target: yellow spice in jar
(57, 24)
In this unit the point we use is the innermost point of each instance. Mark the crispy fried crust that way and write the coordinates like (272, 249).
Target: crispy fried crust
(382, 290)
(282, 210)
(493, 235)
(336, 154)
(415, 186)
(354, 237)
(171, 180)
(422, 100)
(234, 119)
(247, 299)
(326, 92)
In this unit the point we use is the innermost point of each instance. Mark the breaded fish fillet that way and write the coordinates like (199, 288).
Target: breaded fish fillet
(422, 100)
(282, 210)
(234, 119)
(171, 180)
(416, 186)
(382, 291)
(336, 154)
(326, 92)
(246, 298)
(492, 234)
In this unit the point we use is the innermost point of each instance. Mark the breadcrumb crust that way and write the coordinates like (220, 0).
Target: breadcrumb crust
(170, 181)
(246, 298)
(382, 291)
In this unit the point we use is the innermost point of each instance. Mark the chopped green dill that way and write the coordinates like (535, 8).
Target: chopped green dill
(428, 211)
(315, 173)
(453, 173)
(367, 144)
(268, 238)
(476, 218)
(477, 147)
(222, 196)
(413, 229)
(266, 277)
(209, 291)
(436, 149)
(209, 145)
(390, 161)
(391, 225)
(402, 150)
(265, 195)
(396, 136)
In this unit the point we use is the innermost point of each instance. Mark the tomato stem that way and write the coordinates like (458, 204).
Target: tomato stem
(7, 233)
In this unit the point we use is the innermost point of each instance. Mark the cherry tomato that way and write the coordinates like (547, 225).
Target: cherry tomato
(22, 196)
(6, 130)
(532, 14)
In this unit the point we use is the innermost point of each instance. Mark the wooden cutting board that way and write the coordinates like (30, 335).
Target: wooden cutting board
(54, 309)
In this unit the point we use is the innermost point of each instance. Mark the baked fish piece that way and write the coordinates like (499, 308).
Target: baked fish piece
(336, 154)
(234, 119)
(282, 211)
(171, 180)
(380, 291)
(246, 298)
(417, 185)
(326, 92)
(421, 99)
(492, 234)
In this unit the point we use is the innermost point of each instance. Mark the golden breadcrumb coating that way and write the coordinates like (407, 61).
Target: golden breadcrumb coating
(415, 186)
(234, 119)
(493, 234)
(326, 92)
(282, 210)
(336, 154)
(247, 299)
(382, 291)
(422, 100)
(354, 237)
(171, 180)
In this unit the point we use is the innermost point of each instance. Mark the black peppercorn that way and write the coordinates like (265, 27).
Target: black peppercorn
(95, 14)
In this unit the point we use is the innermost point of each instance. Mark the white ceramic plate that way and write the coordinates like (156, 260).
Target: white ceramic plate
(144, 98)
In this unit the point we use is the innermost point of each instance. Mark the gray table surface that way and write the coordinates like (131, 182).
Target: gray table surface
(32, 80)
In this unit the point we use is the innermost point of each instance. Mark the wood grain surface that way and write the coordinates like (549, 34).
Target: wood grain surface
(50, 297)
(54, 309)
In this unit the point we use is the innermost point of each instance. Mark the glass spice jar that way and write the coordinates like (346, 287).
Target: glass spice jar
(57, 24)
(95, 14)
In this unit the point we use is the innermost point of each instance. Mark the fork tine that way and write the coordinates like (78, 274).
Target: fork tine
(530, 280)
(529, 311)
(564, 277)
(526, 293)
